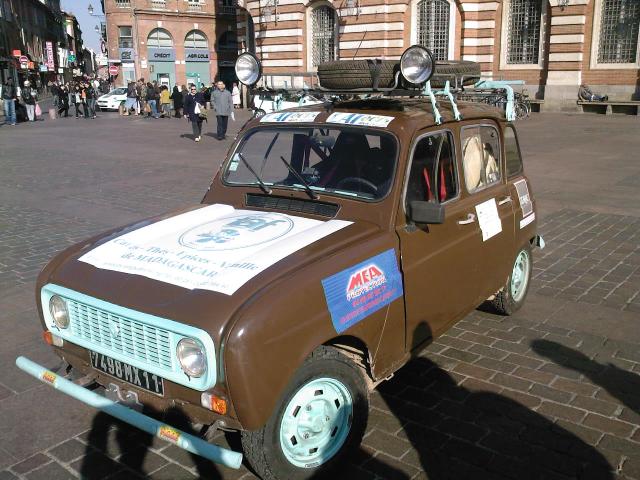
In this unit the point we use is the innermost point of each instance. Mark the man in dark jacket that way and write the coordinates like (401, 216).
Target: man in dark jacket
(223, 104)
(9, 100)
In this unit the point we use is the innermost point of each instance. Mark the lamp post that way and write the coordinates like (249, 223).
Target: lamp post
(101, 30)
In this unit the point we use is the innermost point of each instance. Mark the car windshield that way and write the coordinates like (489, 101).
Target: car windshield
(117, 91)
(353, 162)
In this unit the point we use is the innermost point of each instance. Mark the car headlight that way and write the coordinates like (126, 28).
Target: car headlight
(192, 357)
(59, 312)
(248, 69)
(417, 65)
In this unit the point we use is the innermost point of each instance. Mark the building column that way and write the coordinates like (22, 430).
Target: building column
(566, 54)
(479, 34)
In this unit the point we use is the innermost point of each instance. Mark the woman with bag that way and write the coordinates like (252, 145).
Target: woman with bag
(29, 99)
(194, 110)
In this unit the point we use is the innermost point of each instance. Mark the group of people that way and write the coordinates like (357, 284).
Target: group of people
(81, 94)
(12, 96)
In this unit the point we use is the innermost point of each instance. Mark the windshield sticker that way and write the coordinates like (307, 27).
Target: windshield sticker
(357, 292)
(527, 220)
(523, 196)
(216, 248)
(488, 218)
(290, 117)
(360, 119)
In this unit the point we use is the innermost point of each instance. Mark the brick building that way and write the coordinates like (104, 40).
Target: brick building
(554, 45)
(172, 41)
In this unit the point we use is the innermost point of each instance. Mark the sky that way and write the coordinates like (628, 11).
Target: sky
(87, 23)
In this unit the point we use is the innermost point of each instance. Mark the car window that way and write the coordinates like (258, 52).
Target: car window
(512, 151)
(432, 177)
(344, 161)
(481, 156)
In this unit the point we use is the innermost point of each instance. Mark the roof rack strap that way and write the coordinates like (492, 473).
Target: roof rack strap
(447, 92)
(434, 104)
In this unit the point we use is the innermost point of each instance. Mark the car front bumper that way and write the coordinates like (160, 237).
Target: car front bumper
(150, 425)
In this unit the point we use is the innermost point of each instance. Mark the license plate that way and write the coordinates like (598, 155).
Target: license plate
(128, 373)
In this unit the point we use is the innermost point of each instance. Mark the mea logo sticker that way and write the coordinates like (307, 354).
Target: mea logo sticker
(365, 288)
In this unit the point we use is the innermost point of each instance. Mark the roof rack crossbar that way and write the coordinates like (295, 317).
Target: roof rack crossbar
(510, 112)
(434, 103)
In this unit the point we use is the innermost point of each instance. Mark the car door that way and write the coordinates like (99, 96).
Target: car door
(438, 260)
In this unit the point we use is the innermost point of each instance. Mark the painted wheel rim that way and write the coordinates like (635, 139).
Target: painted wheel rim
(316, 422)
(520, 275)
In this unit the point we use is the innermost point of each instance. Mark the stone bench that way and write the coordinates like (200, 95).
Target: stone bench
(536, 104)
(610, 106)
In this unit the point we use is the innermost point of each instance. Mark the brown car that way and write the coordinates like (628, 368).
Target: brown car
(335, 240)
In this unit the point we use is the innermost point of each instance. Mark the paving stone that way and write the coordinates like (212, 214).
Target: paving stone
(69, 450)
(52, 471)
(534, 375)
(390, 444)
(96, 465)
(30, 463)
(616, 427)
(595, 405)
(7, 475)
(621, 445)
(172, 472)
(514, 383)
(570, 386)
(557, 410)
(550, 393)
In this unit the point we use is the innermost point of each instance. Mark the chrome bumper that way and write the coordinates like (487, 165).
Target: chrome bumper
(184, 440)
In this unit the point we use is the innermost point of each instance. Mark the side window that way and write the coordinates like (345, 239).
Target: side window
(481, 156)
(512, 151)
(432, 177)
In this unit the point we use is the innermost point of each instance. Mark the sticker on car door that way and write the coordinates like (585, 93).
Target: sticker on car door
(357, 292)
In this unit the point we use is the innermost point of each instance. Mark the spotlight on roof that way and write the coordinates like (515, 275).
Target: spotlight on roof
(248, 69)
(417, 64)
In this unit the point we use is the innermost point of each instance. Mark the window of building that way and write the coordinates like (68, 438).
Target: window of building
(524, 21)
(481, 156)
(125, 37)
(433, 170)
(433, 18)
(159, 37)
(512, 151)
(228, 41)
(196, 39)
(619, 30)
(323, 35)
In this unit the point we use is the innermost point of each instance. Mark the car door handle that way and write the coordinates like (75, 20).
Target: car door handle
(504, 200)
(471, 217)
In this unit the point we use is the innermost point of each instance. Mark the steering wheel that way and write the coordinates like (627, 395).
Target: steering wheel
(360, 181)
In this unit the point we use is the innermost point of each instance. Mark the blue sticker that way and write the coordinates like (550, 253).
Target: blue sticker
(357, 292)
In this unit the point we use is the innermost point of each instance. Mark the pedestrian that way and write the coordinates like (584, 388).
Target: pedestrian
(141, 88)
(176, 96)
(223, 105)
(165, 102)
(152, 99)
(76, 99)
(29, 97)
(92, 96)
(132, 99)
(63, 101)
(83, 99)
(194, 109)
(235, 93)
(9, 95)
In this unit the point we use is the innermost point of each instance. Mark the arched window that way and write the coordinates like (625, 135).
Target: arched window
(159, 37)
(228, 41)
(323, 35)
(433, 27)
(524, 20)
(195, 39)
(619, 30)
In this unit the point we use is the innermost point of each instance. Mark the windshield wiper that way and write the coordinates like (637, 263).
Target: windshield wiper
(263, 186)
(307, 188)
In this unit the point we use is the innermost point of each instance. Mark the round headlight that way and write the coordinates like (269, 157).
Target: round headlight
(192, 357)
(59, 312)
(416, 64)
(248, 69)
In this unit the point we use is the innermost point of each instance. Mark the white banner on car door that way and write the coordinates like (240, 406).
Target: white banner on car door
(215, 248)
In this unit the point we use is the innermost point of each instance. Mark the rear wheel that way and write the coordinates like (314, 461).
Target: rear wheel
(322, 415)
(511, 297)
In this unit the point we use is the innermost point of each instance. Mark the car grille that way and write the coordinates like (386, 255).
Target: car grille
(122, 336)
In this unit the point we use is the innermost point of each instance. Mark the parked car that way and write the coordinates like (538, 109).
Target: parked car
(113, 99)
(334, 242)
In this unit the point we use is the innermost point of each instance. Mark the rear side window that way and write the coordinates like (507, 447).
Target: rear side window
(512, 151)
(433, 170)
(481, 156)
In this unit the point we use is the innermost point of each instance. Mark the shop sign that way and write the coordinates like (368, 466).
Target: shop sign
(16, 53)
(196, 55)
(51, 67)
(43, 68)
(161, 54)
(60, 70)
(127, 54)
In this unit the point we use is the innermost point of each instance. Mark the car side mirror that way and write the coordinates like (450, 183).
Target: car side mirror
(426, 212)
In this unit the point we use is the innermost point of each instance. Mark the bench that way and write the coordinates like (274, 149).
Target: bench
(609, 107)
(536, 104)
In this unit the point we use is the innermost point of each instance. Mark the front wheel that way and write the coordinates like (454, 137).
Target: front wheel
(321, 416)
(511, 297)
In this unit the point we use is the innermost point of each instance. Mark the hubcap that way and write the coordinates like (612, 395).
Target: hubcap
(316, 422)
(520, 275)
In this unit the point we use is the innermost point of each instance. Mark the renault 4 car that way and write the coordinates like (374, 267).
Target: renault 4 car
(334, 241)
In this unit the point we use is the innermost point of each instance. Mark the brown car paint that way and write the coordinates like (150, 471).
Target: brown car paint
(267, 328)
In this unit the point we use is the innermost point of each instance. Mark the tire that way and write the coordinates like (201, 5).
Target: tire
(353, 74)
(339, 412)
(512, 296)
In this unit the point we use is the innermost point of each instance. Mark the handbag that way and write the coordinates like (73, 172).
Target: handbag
(38, 110)
(201, 112)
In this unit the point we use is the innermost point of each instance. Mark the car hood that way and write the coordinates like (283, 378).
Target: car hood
(277, 245)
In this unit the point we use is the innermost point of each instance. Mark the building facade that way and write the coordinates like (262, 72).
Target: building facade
(172, 41)
(553, 45)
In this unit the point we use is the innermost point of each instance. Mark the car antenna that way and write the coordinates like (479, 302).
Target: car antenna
(359, 45)
(263, 186)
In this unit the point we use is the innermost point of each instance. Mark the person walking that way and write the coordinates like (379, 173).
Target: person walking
(193, 107)
(223, 105)
(76, 99)
(29, 97)
(9, 96)
(63, 101)
(132, 99)
(176, 96)
(235, 93)
(152, 99)
(165, 102)
(92, 96)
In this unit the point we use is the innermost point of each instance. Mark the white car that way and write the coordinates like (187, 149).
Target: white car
(268, 103)
(113, 99)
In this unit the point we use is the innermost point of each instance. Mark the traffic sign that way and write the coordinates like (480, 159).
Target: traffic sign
(113, 70)
(24, 59)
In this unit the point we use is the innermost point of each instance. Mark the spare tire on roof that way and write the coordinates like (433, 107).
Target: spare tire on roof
(356, 74)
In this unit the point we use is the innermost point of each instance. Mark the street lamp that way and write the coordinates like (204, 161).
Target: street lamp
(90, 8)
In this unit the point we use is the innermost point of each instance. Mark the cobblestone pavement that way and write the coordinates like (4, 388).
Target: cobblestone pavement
(552, 392)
